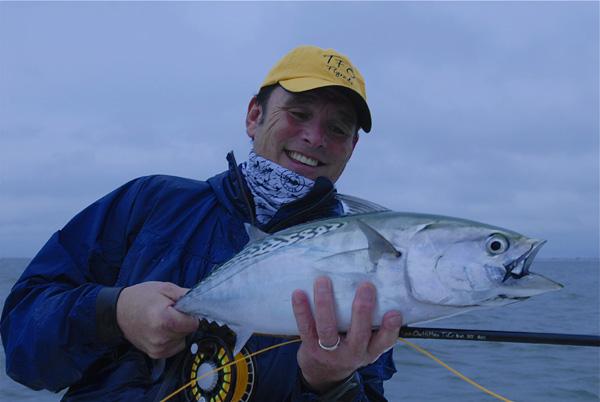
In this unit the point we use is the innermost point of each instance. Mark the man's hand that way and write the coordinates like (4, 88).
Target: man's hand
(148, 320)
(323, 369)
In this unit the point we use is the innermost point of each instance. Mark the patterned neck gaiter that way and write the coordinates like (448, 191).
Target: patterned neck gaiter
(272, 185)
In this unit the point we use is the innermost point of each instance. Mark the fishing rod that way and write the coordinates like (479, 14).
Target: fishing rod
(499, 336)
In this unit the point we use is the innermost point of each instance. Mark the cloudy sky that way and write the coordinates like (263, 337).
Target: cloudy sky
(486, 111)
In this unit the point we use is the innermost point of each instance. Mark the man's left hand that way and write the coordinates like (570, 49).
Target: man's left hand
(323, 369)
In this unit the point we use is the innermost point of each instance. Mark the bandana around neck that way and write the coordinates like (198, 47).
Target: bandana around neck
(272, 185)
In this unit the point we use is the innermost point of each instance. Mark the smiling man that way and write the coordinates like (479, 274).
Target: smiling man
(312, 134)
(94, 309)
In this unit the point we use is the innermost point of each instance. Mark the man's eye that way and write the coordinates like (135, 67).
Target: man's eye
(338, 130)
(299, 115)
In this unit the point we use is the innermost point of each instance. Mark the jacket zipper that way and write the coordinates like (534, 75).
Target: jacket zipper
(239, 179)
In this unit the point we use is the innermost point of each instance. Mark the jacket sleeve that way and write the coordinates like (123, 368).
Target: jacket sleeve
(48, 323)
(365, 386)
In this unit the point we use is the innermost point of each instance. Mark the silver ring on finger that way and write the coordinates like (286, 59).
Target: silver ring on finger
(333, 347)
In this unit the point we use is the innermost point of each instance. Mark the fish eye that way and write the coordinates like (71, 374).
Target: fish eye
(496, 244)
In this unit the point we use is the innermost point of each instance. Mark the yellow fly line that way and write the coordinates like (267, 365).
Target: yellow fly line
(453, 371)
(412, 345)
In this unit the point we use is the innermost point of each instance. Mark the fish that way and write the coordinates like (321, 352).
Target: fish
(426, 266)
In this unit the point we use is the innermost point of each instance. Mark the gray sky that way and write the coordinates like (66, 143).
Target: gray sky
(486, 111)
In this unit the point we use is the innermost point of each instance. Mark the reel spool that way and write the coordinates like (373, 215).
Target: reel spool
(211, 350)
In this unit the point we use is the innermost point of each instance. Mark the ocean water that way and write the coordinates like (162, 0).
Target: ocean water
(519, 372)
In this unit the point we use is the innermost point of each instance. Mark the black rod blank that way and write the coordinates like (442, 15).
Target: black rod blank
(499, 336)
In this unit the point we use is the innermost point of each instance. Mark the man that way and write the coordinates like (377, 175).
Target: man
(94, 309)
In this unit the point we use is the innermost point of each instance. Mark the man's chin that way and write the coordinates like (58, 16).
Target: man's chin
(306, 171)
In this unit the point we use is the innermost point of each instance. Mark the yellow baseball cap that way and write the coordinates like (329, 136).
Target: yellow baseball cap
(310, 67)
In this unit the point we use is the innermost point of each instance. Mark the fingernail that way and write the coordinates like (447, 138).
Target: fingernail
(322, 285)
(395, 320)
(297, 296)
(367, 293)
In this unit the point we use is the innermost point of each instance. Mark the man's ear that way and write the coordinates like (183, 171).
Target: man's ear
(354, 140)
(253, 117)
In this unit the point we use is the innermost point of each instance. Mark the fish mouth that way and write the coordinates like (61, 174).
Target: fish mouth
(520, 267)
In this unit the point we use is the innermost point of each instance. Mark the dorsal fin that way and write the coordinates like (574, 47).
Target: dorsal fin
(355, 205)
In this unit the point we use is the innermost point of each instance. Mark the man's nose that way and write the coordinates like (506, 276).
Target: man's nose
(315, 134)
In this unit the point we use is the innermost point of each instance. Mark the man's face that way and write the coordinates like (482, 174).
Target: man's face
(312, 133)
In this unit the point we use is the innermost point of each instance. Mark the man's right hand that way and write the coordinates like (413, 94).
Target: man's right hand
(148, 320)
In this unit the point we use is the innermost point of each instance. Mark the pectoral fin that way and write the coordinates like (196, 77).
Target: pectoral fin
(378, 245)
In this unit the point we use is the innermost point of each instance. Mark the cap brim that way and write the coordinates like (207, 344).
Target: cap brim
(309, 83)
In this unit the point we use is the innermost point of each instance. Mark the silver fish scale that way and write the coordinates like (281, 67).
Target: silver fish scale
(271, 244)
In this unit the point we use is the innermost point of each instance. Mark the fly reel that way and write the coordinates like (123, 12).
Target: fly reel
(210, 369)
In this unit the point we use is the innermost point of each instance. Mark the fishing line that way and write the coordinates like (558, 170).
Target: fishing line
(456, 372)
(412, 345)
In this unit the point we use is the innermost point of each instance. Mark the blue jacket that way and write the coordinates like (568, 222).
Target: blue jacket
(155, 228)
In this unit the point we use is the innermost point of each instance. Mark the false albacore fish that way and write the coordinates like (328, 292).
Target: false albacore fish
(425, 266)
